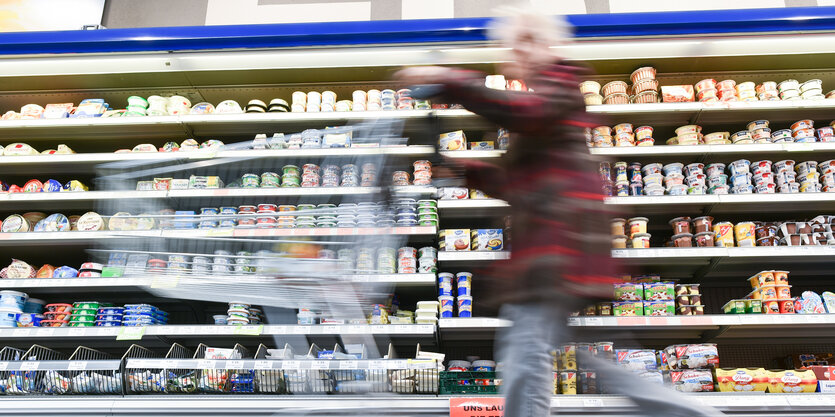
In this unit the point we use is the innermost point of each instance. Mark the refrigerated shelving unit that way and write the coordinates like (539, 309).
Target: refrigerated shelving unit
(241, 63)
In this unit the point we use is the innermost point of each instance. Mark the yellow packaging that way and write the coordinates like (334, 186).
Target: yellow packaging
(744, 234)
(792, 381)
(568, 356)
(453, 141)
(741, 379)
(568, 382)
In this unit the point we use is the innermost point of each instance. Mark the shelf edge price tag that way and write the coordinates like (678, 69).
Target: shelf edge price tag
(234, 364)
(249, 330)
(263, 365)
(206, 364)
(162, 281)
(320, 365)
(3, 366)
(220, 232)
(131, 333)
(348, 365)
(290, 365)
(29, 366)
(77, 365)
(592, 402)
(20, 332)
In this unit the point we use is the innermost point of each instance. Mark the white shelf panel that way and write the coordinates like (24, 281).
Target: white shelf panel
(469, 204)
(51, 333)
(786, 149)
(444, 256)
(755, 252)
(429, 405)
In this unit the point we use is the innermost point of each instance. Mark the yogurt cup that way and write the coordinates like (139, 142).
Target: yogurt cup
(674, 168)
(447, 306)
(715, 169)
(717, 138)
(637, 225)
(719, 189)
(641, 240)
(693, 169)
(741, 166)
(673, 179)
(465, 306)
(679, 189)
(682, 240)
(717, 180)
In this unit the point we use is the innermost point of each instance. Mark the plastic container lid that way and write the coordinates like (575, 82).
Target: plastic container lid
(426, 320)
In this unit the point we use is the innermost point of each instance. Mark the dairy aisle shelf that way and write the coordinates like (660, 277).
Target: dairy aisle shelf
(88, 199)
(469, 259)
(735, 328)
(260, 405)
(811, 203)
(82, 238)
(185, 126)
(198, 330)
(764, 150)
(66, 285)
(89, 162)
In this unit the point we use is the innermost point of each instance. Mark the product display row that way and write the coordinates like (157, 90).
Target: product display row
(622, 179)
(645, 87)
(817, 231)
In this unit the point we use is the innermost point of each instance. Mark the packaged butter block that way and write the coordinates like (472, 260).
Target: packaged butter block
(200, 182)
(487, 239)
(741, 379)
(792, 381)
(453, 141)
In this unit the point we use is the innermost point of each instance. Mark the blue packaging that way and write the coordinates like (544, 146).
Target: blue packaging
(111, 310)
(65, 272)
(108, 323)
(52, 186)
(445, 284)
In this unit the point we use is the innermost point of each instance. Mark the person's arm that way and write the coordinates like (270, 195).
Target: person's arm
(556, 94)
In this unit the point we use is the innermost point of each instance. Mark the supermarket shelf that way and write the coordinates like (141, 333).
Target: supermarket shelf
(471, 208)
(88, 199)
(66, 285)
(774, 151)
(726, 327)
(184, 126)
(89, 162)
(721, 263)
(730, 203)
(193, 331)
(470, 258)
(384, 405)
(85, 238)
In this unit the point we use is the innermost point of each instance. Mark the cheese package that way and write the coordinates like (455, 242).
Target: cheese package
(455, 239)
(453, 141)
(487, 239)
(693, 356)
(792, 381)
(18, 149)
(89, 222)
(741, 379)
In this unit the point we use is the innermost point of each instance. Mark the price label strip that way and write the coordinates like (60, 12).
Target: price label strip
(249, 330)
(131, 333)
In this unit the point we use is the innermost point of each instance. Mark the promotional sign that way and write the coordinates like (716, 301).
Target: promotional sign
(476, 407)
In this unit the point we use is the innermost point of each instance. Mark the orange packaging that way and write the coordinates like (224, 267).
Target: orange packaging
(792, 381)
(744, 234)
(741, 379)
(724, 234)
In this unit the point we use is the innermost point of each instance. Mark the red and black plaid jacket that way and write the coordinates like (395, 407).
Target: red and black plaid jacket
(560, 226)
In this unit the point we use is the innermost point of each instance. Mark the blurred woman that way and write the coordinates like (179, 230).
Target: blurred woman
(561, 240)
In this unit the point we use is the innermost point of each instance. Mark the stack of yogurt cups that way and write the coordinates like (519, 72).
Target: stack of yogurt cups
(240, 313)
(763, 177)
(368, 175)
(388, 100)
(406, 212)
(427, 213)
(809, 177)
(305, 220)
(222, 262)
(407, 260)
(694, 177)
(387, 260)
(423, 172)
(717, 180)
(767, 91)
(314, 102)
(746, 91)
(445, 297)
(793, 90)
(11, 305)
(331, 175)
(464, 298)
(137, 106)
(157, 106)
(785, 176)
(427, 260)
(399, 178)
(311, 139)
(673, 177)
(328, 101)
(350, 176)
(740, 176)
(310, 175)
(803, 131)
(759, 132)
(404, 99)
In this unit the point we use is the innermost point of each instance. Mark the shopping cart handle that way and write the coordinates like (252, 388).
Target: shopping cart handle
(425, 91)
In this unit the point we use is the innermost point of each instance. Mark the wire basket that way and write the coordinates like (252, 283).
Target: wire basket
(142, 380)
